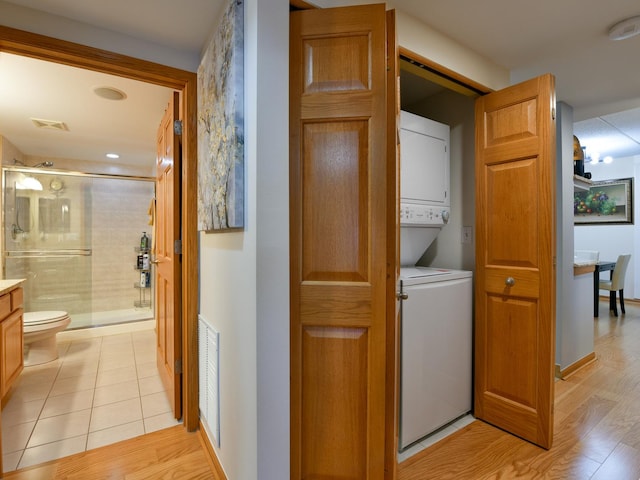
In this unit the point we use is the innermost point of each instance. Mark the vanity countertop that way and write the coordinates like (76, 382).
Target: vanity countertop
(9, 284)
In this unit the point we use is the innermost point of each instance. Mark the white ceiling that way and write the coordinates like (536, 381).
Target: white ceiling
(598, 77)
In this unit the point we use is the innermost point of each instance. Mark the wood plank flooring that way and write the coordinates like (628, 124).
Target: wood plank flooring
(166, 454)
(597, 433)
(597, 423)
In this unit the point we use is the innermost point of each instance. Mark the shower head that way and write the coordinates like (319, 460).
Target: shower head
(41, 164)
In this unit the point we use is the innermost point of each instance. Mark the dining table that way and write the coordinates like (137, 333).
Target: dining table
(601, 266)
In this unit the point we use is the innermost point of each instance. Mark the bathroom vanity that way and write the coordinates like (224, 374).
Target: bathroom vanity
(11, 328)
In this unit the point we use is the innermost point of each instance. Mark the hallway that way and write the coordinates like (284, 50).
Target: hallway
(103, 388)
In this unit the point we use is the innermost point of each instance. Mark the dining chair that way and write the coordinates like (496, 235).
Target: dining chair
(616, 283)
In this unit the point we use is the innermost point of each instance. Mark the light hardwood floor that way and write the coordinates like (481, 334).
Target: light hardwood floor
(597, 423)
(597, 433)
(172, 453)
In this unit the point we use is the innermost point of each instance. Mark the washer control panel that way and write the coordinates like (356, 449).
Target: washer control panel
(423, 215)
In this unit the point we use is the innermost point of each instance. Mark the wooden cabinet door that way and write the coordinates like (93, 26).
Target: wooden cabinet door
(167, 261)
(515, 259)
(339, 227)
(11, 336)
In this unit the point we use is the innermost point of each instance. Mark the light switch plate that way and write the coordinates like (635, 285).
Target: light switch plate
(467, 234)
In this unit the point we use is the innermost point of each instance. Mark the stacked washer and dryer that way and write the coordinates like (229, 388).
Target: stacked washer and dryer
(436, 303)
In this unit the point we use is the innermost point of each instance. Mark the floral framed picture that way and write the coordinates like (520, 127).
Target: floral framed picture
(606, 202)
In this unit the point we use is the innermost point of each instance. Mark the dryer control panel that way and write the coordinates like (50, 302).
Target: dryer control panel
(423, 215)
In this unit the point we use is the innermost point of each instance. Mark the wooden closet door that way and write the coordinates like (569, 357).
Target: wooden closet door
(515, 259)
(339, 230)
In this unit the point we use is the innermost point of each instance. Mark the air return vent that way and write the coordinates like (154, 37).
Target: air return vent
(50, 124)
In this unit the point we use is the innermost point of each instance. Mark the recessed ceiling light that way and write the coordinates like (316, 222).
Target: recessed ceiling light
(113, 155)
(625, 29)
(109, 93)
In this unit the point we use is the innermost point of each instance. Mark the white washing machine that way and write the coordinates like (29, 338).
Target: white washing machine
(436, 349)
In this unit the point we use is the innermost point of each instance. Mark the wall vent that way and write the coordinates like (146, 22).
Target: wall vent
(209, 379)
(50, 124)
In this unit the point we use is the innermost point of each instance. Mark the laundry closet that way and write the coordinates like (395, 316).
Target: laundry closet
(437, 254)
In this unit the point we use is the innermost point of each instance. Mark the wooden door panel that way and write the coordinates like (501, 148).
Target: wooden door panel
(512, 207)
(335, 230)
(167, 276)
(336, 388)
(515, 251)
(339, 230)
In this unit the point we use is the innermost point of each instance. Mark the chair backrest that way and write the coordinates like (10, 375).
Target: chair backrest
(617, 279)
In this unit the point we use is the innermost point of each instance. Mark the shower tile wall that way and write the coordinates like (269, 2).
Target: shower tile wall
(120, 215)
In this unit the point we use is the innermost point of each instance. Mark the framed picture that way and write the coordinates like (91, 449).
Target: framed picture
(606, 202)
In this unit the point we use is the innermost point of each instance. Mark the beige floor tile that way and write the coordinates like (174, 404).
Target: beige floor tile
(10, 461)
(78, 368)
(53, 450)
(143, 335)
(119, 338)
(29, 393)
(147, 369)
(116, 393)
(18, 411)
(67, 403)
(115, 361)
(146, 355)
(149, 385)
(16, 437)
(44, 370)
(155, 404)
(159, 422)
(87, 347)
(114, 414)
(73, 384)
(61, 427)
(115, 434)
(117, 375)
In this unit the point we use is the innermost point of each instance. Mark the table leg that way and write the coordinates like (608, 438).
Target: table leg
(596, 291)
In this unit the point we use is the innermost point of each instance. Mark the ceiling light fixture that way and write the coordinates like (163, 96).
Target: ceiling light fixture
(625, 29)
(27, 182)
(109, 93)
(112, 155)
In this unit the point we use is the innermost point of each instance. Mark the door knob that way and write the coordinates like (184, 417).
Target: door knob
(155, 262)
(402, 296)
(510, 282)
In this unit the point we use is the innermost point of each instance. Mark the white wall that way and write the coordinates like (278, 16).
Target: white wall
(431, 44)
(613, 240)
(457, 111)
(244, 276)
(36, 21)
(574, 329)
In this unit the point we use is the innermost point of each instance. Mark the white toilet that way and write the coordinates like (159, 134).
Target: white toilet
(40, 330)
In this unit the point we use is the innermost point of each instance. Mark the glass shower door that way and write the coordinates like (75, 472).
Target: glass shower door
(47, 238)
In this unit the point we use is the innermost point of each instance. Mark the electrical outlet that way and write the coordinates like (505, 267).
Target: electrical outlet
(467, 234)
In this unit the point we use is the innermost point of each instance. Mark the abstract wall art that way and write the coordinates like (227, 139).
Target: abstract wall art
(221, 125)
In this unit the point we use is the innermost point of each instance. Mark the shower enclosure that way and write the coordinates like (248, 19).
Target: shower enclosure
(73, 237)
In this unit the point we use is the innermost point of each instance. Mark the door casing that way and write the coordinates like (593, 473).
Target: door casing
(41, 47)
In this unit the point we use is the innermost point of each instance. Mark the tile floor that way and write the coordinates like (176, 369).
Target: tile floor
(103, 388)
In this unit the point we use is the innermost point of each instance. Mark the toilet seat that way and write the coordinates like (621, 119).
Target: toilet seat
(43, 318)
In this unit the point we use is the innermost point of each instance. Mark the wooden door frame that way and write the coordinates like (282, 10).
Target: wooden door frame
(41, 47)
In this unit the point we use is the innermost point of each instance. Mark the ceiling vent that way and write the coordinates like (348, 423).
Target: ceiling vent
(50, 124)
